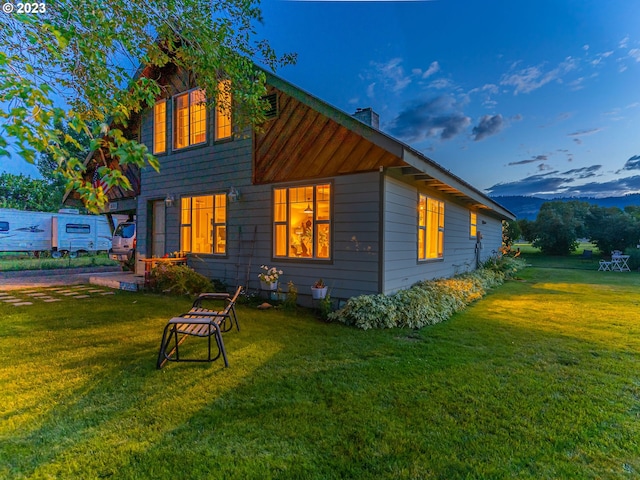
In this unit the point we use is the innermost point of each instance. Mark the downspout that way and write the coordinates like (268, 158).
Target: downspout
(381, 230)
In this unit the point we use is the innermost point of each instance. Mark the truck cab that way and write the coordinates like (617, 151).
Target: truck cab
(123, 243)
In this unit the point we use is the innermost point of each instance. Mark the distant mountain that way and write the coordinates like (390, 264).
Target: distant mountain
(528, 207)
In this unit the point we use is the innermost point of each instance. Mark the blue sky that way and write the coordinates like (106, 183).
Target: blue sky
(516, 97)
(528, 98)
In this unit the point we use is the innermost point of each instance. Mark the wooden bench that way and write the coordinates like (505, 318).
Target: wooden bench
(199, 322)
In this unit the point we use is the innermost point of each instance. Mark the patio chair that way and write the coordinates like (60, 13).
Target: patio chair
(203, 297)
(198, 322)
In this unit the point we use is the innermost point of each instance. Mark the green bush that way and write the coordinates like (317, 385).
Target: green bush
(427, 302)
(178, 280)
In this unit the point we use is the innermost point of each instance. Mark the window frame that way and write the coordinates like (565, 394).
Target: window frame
(425, 226)
(164, 131)
(473, 224)
(316, 223)
(218, 201)
(175, 123)
(220, 114)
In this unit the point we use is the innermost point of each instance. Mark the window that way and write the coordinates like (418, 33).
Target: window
(430, 228)
(4, 226)
(473, 224)
(160, 127)
(190, 119)
(77, 228)
(302, 222)
(203, 224)
(223, 110)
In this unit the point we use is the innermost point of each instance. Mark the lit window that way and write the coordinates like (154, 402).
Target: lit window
(160, 127)
(203, 224)
(302, 222)
(473, 224)
(190, 126)
(223, 110)
(430, 228)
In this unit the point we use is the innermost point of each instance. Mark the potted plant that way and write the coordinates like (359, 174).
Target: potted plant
(319, 290)
(269, 277)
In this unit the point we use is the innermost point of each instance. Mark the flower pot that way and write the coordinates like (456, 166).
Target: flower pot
(318, 293)
(268, 286)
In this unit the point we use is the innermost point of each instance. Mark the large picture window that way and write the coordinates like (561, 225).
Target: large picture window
(160, 127)
(203, 224)
(430, 228)
(302, 222)
(190, 119)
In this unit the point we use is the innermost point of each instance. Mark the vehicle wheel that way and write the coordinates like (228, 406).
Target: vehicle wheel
(56, 254)
(73, 254)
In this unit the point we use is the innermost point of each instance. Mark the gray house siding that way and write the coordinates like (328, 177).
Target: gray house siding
(214, 168)
(401, 266)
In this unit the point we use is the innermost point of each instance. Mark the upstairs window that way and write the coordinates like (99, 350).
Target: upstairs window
(160, 127)
(302, 222)
(430, 228)
(190, 119)
(203, 224)
(473, 224)
(223, 110)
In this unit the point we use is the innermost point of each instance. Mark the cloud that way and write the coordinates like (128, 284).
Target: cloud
(433, 68)
(528, 79)
(541, 184)
(635, 54)
(439, 117)
(583, 133)
(624, 43)
(584, 172)
(633, 163)
(489, 125)
(391, 74)
(568, 184)
(537, 158)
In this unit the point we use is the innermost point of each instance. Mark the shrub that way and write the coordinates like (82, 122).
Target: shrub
(178, 280)
(427, 302)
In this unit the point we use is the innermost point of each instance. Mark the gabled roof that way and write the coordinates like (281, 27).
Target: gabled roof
(408, 161)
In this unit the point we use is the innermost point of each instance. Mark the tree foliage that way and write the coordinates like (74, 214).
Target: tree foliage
(559, 225)
(26, 193)
(613, 229)
(76, 65)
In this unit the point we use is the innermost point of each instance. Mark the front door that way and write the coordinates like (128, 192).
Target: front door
(158, 229)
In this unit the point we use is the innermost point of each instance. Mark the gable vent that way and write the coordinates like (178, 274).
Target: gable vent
(273, 111)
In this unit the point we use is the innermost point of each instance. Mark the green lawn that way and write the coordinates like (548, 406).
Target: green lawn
(23, 261)
(540, 379)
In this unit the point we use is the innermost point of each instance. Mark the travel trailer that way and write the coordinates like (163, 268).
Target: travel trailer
(59, 233)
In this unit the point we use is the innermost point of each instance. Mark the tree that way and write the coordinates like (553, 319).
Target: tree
(75, 63)
(613, 229)
(510, 232)
(559, 225)
(26, 193)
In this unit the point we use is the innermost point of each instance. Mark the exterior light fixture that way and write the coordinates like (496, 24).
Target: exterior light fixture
(169, 200)
(233, 195)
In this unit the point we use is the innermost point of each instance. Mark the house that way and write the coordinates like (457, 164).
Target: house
(317, 192)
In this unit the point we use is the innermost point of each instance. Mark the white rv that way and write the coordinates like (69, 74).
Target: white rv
(64, 232)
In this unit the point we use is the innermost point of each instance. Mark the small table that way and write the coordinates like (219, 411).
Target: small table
(149, 263)
(619, 263)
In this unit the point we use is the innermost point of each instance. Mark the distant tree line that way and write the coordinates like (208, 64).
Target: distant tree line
(560, 225)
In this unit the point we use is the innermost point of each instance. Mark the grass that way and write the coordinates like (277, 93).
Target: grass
(16, 261)
(538, 380)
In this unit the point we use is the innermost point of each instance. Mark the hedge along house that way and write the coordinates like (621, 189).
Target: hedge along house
(316, 193)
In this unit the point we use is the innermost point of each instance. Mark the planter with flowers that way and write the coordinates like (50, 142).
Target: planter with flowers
(269, 277)
(319, 290)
